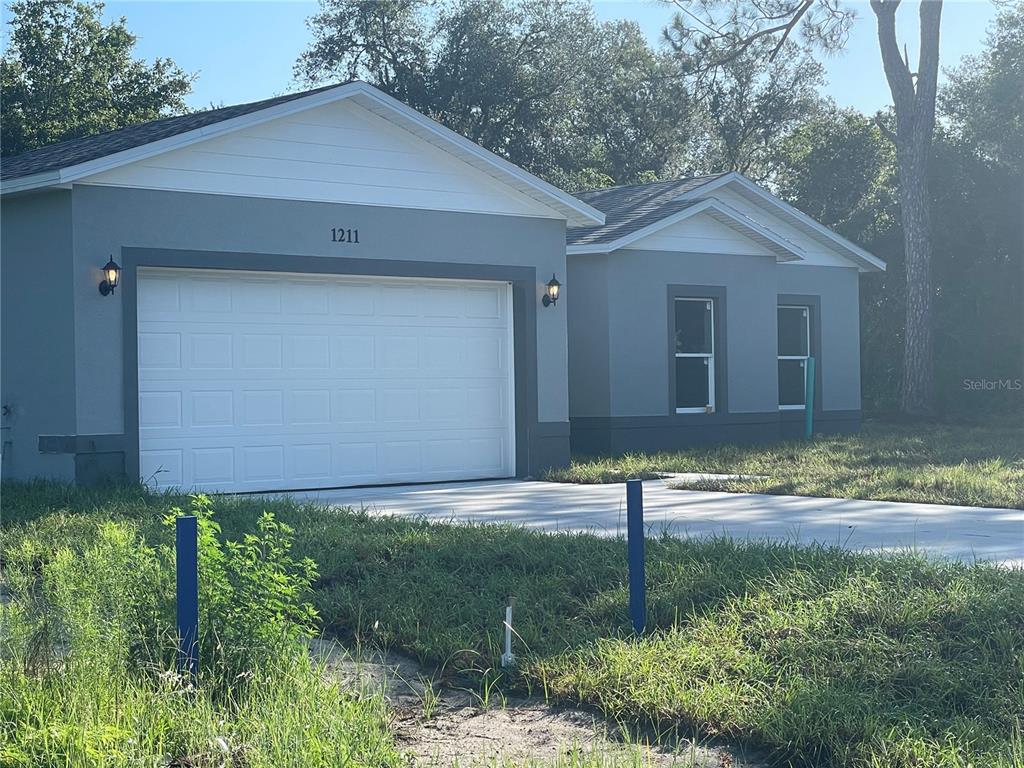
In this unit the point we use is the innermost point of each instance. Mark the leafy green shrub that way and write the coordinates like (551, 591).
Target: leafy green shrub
(252, 593)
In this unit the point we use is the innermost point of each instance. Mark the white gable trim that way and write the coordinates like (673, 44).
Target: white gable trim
(721, 212)
(864, 260)
(576, 212)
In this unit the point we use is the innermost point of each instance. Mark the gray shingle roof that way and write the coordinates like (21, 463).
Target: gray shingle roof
(628, 209)
(86, 148)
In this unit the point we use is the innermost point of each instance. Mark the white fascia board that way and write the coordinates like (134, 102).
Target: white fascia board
(28, 183)
(576, 211)
(571, 250)
(786, 250)
(866, 261)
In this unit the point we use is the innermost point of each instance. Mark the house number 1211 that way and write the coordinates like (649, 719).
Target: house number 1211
(345, 236)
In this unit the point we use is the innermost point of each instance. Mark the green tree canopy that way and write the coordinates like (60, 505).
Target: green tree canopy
(838, 168)
(748, 103)
(67, 74)
(978, 169)
(983, 101)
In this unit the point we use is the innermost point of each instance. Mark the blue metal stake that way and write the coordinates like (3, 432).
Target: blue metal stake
(635, 543)
(186, 546)
(809, 399)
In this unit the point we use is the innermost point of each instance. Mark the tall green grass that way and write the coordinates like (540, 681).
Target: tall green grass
(819, 656)
(86, 658)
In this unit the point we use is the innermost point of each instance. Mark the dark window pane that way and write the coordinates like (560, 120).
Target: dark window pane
(693, 326)
(793, 331)
(692, 382)
(791, 382)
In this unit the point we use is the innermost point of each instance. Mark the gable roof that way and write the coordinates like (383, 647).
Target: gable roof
(74, 160)
(865, 260)
(632, 207)
(75, 151)
(783, 249)
(635, 211)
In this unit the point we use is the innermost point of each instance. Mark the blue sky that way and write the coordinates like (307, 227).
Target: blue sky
(243, 50)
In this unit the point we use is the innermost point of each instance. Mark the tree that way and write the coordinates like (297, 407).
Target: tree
(540, 82)
(747, 104)
(978, 197)
(826, 23)
(66, 74)
(839, 168)
(984, 100)
(913, 96)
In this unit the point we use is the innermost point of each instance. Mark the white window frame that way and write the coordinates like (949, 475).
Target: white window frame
(709, 358)
(801, 358)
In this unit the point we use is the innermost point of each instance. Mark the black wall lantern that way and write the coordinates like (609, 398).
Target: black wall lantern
(551, 296)
(111, 277)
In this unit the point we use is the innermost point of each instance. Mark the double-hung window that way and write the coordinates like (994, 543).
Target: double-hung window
(794, 349)
(694, 355)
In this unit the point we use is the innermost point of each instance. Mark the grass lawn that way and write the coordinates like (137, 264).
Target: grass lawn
(980, 466)
(820, 657)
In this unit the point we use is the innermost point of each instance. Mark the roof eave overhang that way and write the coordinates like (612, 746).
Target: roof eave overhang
(721, 212)
(29, 183)
(864, 260)
(576, 212)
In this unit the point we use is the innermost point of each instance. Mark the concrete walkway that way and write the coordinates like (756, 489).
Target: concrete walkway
(966, 533)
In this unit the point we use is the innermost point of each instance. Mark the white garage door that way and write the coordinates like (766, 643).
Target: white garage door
(257, 381)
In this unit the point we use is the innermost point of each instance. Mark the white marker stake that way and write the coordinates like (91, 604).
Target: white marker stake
(508, 658)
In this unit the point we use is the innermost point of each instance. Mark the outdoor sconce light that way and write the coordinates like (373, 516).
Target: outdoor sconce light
(111, 277)
(551, 296)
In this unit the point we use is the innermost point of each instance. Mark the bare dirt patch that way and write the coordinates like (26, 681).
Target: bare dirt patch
(442, 725)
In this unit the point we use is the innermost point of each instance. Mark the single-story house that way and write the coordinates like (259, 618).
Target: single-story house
(692, 312)
(328, 289)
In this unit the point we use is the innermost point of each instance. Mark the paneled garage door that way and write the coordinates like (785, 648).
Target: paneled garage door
(257, 381)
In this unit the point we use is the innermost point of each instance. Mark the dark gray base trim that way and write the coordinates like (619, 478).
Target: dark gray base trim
(99, 459)
(549, 447)
(95, 469)
(81, 443)
(617, 435)
(791, 423)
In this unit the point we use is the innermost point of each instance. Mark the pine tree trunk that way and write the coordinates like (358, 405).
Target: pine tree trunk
(913, 96)
(917, 382)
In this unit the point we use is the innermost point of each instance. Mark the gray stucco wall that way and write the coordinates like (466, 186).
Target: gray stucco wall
(37, 383)
(839, 358)
(639, 327)
(64, 371)
(636, 413)
(587, 304)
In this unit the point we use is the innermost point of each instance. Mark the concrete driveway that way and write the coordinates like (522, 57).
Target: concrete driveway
(966, 533)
